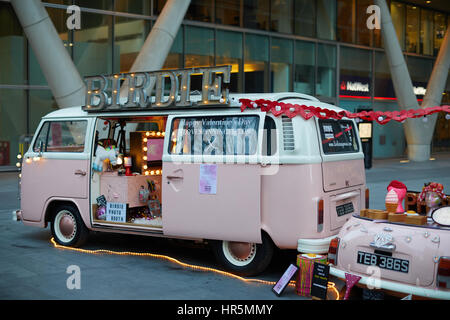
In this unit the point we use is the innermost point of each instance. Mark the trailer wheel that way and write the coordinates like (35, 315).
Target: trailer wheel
(243, 258)
(67, 227)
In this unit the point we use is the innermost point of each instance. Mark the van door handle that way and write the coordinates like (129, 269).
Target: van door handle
(80, 172)
(174, 177)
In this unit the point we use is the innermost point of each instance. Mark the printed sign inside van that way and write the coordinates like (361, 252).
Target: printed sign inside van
(148, 90)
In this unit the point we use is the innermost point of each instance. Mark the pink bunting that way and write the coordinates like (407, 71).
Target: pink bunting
(307, 112)
(350, 281)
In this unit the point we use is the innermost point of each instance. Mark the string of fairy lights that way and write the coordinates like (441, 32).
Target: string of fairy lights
(331, 285)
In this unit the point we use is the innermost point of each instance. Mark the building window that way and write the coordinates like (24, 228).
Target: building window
(281, 12)
(200, 10)
(363, 34)
(13, 123)
(426, 32)
(326, 19)
(346, 21)
(412, 29)
(98, 4)
(440, 25)
(12, 47)
(133, 6)
(398, 20)
(256, 14)
(384, 88)
(281, 64)
(174, 59)
(304, 67)
(305, 14)
(420, 72)
(229, 52)
(326, 70)
(228, 12)
(129, 36)
(92, 50)
(355, 72)
(256, 63)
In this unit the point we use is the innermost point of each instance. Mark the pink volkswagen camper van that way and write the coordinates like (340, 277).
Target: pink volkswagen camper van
(193, 166)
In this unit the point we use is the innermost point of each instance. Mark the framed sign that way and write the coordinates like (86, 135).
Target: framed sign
(279, 287)
(319, 283)
(116, 212)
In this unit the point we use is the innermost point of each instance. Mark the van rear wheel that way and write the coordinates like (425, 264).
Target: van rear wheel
(243, 258)
(67, 227)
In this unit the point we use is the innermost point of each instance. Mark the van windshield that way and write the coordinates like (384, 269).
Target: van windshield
(338, 136)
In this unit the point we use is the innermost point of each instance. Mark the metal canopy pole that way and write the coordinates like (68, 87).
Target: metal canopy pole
(59, 70)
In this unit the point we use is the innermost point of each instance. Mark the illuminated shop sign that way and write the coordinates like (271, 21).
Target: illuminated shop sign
(354, 86)
(156, 89)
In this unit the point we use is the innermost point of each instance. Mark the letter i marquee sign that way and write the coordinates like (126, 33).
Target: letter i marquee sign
(156, 89)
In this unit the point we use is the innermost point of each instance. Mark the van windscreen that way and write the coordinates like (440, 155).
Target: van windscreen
(338, 136)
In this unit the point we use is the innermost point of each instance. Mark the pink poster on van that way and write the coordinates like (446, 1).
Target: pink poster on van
(155, 149)
(208, 179)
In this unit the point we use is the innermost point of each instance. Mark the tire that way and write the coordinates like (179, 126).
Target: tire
(244, 259)
(67, 227)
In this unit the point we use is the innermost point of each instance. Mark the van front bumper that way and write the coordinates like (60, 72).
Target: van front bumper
(371, 282)
(314, 245)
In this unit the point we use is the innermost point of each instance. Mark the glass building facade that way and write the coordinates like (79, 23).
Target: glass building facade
(318, 47)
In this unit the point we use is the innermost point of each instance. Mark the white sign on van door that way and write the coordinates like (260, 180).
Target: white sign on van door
(208, 179)
(116, 212)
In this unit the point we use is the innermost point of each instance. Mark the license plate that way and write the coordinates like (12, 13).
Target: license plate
(344, 209)
(382, 261)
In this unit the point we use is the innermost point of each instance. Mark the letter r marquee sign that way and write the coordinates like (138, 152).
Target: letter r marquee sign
(156, 89)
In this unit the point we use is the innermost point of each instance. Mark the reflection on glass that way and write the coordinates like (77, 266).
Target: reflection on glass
(305, 13)
(256, 14)
(345, 21)
(326, 17)
(174, 59)
(43, 103)
(440, 25)
(398, 20)
(326, 70)
(199, 47)
(363, 34)
(256, 67)
(229, 52)
(228, 12)
(384, 87)
(412, 29)
(13, 123)
(200, 10)
(304, 67)
(97, 4)
(426, 32)
(133, 6)
(355, 72)
(93, 46)
(281, 64)
(12, 47)
(281, 13)
(129, 36)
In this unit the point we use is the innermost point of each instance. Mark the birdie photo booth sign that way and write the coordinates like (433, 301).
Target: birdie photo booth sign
(306, 112)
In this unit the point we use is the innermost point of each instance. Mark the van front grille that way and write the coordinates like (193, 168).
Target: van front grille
(288, 133)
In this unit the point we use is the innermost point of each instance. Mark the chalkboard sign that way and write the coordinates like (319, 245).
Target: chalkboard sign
(279, 287)
(319, 283)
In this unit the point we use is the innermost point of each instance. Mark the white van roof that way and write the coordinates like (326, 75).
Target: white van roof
(287, 97)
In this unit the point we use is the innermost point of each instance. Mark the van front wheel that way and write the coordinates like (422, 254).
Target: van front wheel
(243, 258)
(67, 227)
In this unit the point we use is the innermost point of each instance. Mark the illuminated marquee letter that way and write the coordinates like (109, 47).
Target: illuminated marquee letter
(213, 86)
(137, 84)
(160, 86)
(96, 96)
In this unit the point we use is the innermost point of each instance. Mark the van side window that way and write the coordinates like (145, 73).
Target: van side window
(338, 136)
(61, 136)
(214, 135)
(270, 137)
